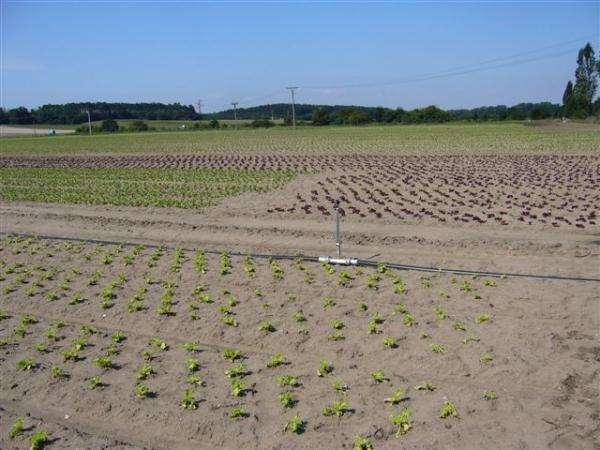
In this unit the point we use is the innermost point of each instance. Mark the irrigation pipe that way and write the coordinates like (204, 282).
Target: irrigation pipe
(357, 262)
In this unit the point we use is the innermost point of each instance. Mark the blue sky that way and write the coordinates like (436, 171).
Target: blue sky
(390, 54)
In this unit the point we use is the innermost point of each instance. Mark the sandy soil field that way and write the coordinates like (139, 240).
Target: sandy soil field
(519, 358)
(533, 343)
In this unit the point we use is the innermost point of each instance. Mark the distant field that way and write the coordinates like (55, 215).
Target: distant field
(176, 125)
(489, 138)
(172, 125)
(29, 130)
(41, 129)
(45, 126)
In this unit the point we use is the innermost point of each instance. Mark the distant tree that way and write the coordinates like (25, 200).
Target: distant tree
(586, 75)
(399, 115)
(3, 116)
(430, 114)
(389, 116)
(542, 110)
(358, 117)
(321, 116)
(520, 111)
(352, 116)
(110, 126)
(568, 93)
(20, 116)
(138, 125)
(379, 114)
(262, 123)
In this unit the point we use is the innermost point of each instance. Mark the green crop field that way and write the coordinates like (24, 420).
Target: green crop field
(456, 138)
(136, 187)
(168, 125)
(177, 125)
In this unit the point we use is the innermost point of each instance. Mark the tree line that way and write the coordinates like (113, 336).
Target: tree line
(76, 113)
(358, 115)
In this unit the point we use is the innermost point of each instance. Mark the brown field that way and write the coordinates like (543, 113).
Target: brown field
(543, 367)
(534, 342)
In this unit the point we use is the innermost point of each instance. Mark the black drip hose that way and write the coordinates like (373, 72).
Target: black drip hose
(360, 262)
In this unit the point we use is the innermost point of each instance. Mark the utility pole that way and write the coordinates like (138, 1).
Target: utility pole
(89, 121)
(292, 89)
(272, 116)
(199, 104)
(235, 112)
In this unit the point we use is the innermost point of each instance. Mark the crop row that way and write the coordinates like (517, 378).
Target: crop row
(544, 166)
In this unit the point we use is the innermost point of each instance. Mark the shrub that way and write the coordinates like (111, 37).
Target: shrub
(17, 428)
(378, 376)
(38, 440)
(138, 125)
(403, 421)
(362, 443)
(262, 123)
(110, 126)
(287, 399)
(321, 117)
(189, 400)
(238, 412)
(325, 368)
(26, 364)
(448, 409)
(276, 360)
(295, 425)
(490, 395)
(141, 390)
(337, 408)
(95, 382)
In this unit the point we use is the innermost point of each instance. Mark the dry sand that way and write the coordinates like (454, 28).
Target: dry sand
(543, 335)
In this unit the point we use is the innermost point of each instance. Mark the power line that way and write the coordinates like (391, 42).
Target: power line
(443, 74)
(460, 70)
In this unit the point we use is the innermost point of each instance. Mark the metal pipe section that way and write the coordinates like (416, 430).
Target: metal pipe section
(338, 261)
